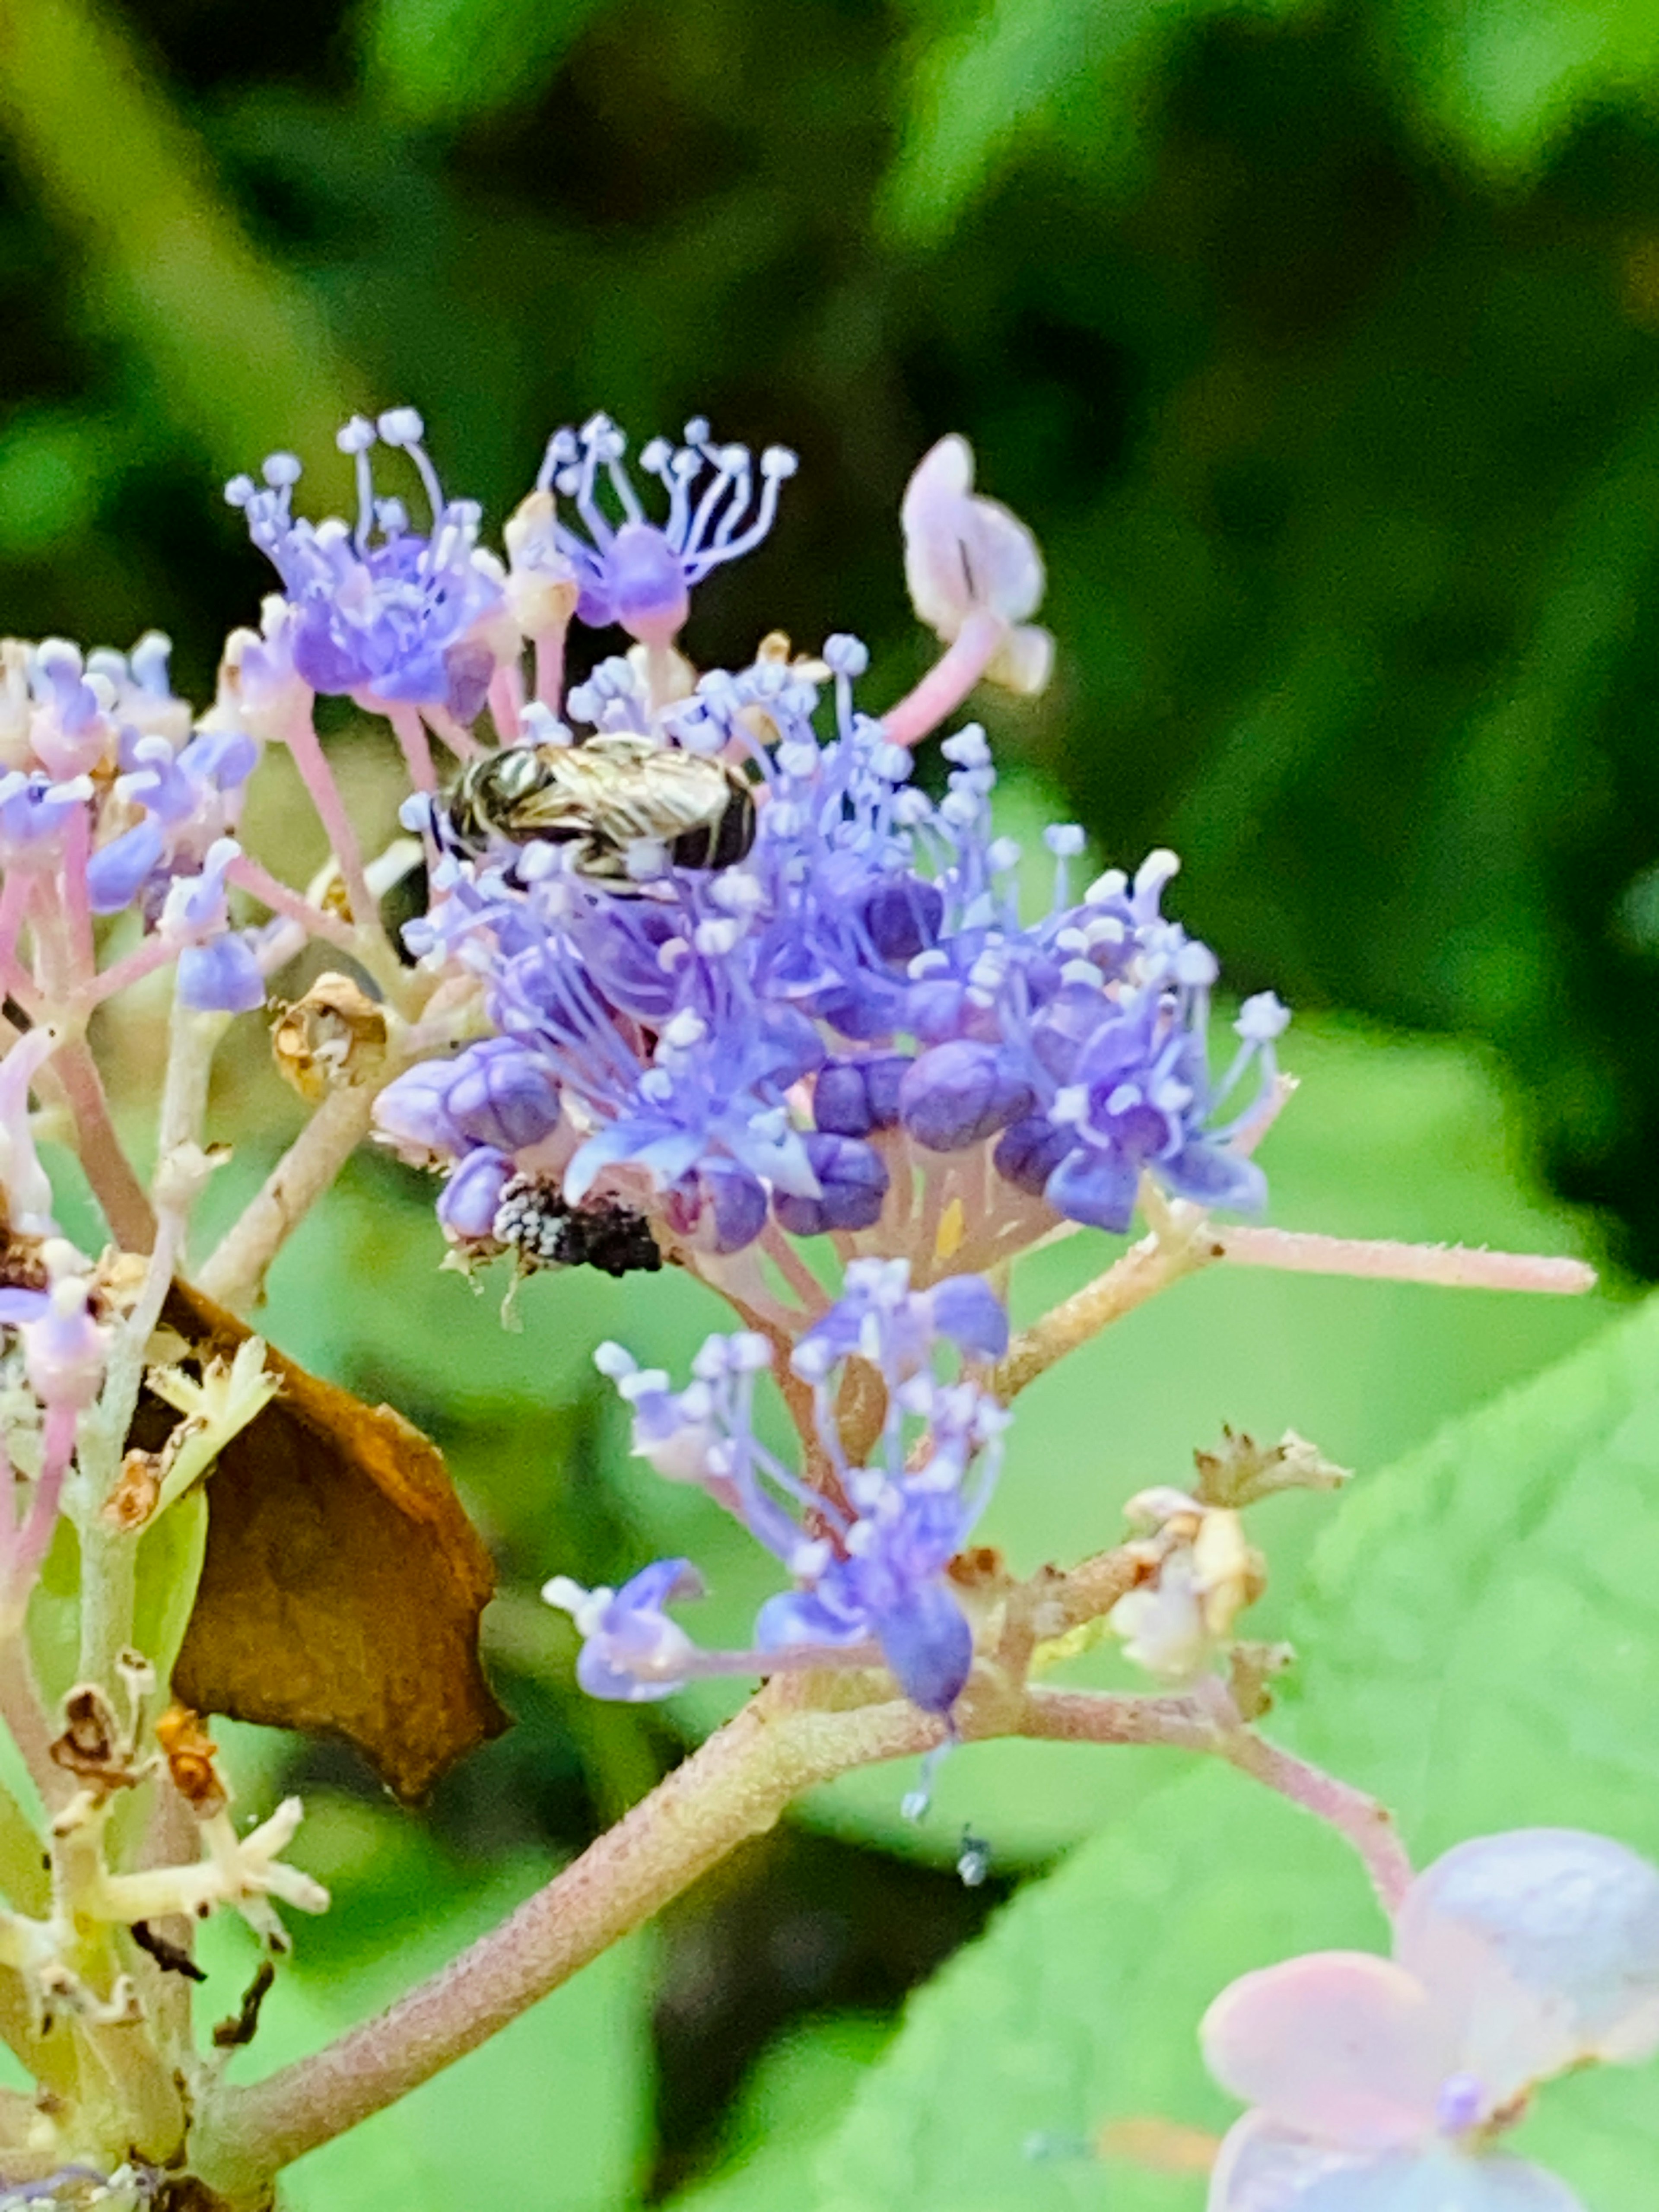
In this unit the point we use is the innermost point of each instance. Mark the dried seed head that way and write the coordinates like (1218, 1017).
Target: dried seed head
(334, 1037)
(189, 1752)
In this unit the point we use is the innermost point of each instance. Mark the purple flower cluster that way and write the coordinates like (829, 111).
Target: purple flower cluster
(796, 1036)
(108, 804)
(869, 1553)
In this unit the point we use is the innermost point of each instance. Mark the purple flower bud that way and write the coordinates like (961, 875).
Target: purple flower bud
(222, 977)
(853, 1184)
(471, 1198)
(936, 1010)
(117, 871)
(1028, 1152)
(841, 1105)
(224, 759)
(967, 1310)
(854, 1096)
(412, 1115)
(721, 1204)
(903, 918)
(498, 1094)
(959, 1093)
(884, 1079)
(926, 1640)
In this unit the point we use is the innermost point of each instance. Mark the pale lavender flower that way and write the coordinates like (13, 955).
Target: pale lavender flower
(1385, 2086)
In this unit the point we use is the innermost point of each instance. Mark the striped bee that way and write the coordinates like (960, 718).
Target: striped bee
(602, 798)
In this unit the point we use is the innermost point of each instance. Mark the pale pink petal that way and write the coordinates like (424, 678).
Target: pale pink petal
(1265, 2168)
(1542, 1947)
(1339, 2045)
(964, 553)
(1025, 662)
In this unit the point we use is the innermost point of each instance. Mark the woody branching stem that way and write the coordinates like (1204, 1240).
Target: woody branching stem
(735, 1787)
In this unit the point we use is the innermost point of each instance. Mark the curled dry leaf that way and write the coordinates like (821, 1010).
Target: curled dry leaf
(343, 1585)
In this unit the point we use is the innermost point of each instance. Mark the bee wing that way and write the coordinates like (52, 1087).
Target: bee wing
(660, 796)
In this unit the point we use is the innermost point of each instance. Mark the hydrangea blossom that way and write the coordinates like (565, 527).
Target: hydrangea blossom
(869, 1551)
(1386, 2085)
(857, 1005)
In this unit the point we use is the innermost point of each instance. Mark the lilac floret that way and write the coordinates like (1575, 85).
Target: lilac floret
(873, 1577)
(641, 574)
(720, 1205)
(222, 976)
(854, 1096)
(631, 1652)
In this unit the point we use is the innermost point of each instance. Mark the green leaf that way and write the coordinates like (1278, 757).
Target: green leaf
(1478, 1634)
(1020, 70)
(797, 2090)
(446, 61)
(1505, 79)
(556, 2110)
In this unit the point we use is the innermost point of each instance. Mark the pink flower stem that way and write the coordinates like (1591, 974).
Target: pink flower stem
(143, 960)
(300, 735)
(456, 735)
(411, 733)
(1369, 1826)
(550, 665)
(24, 1714)
(15, 890)
(77, 900)
(1454, 1266)
(114, 1185)
(31, 1540)
(507, 702)
(317, 921)
(949, 681)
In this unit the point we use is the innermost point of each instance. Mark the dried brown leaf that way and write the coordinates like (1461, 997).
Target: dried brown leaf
(343, 1584)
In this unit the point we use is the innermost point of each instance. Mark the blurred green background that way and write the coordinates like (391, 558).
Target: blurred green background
(1320, 345)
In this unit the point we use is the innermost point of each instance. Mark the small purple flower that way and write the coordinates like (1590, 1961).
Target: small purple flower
(720, 1206)
(870, 1577)
(631, 1652)
(381, 610)
(851, 1097)
(64, 1349)
(639, 574)
(187, 800)
(35, 813)
(222, 976)
(499, 1094)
